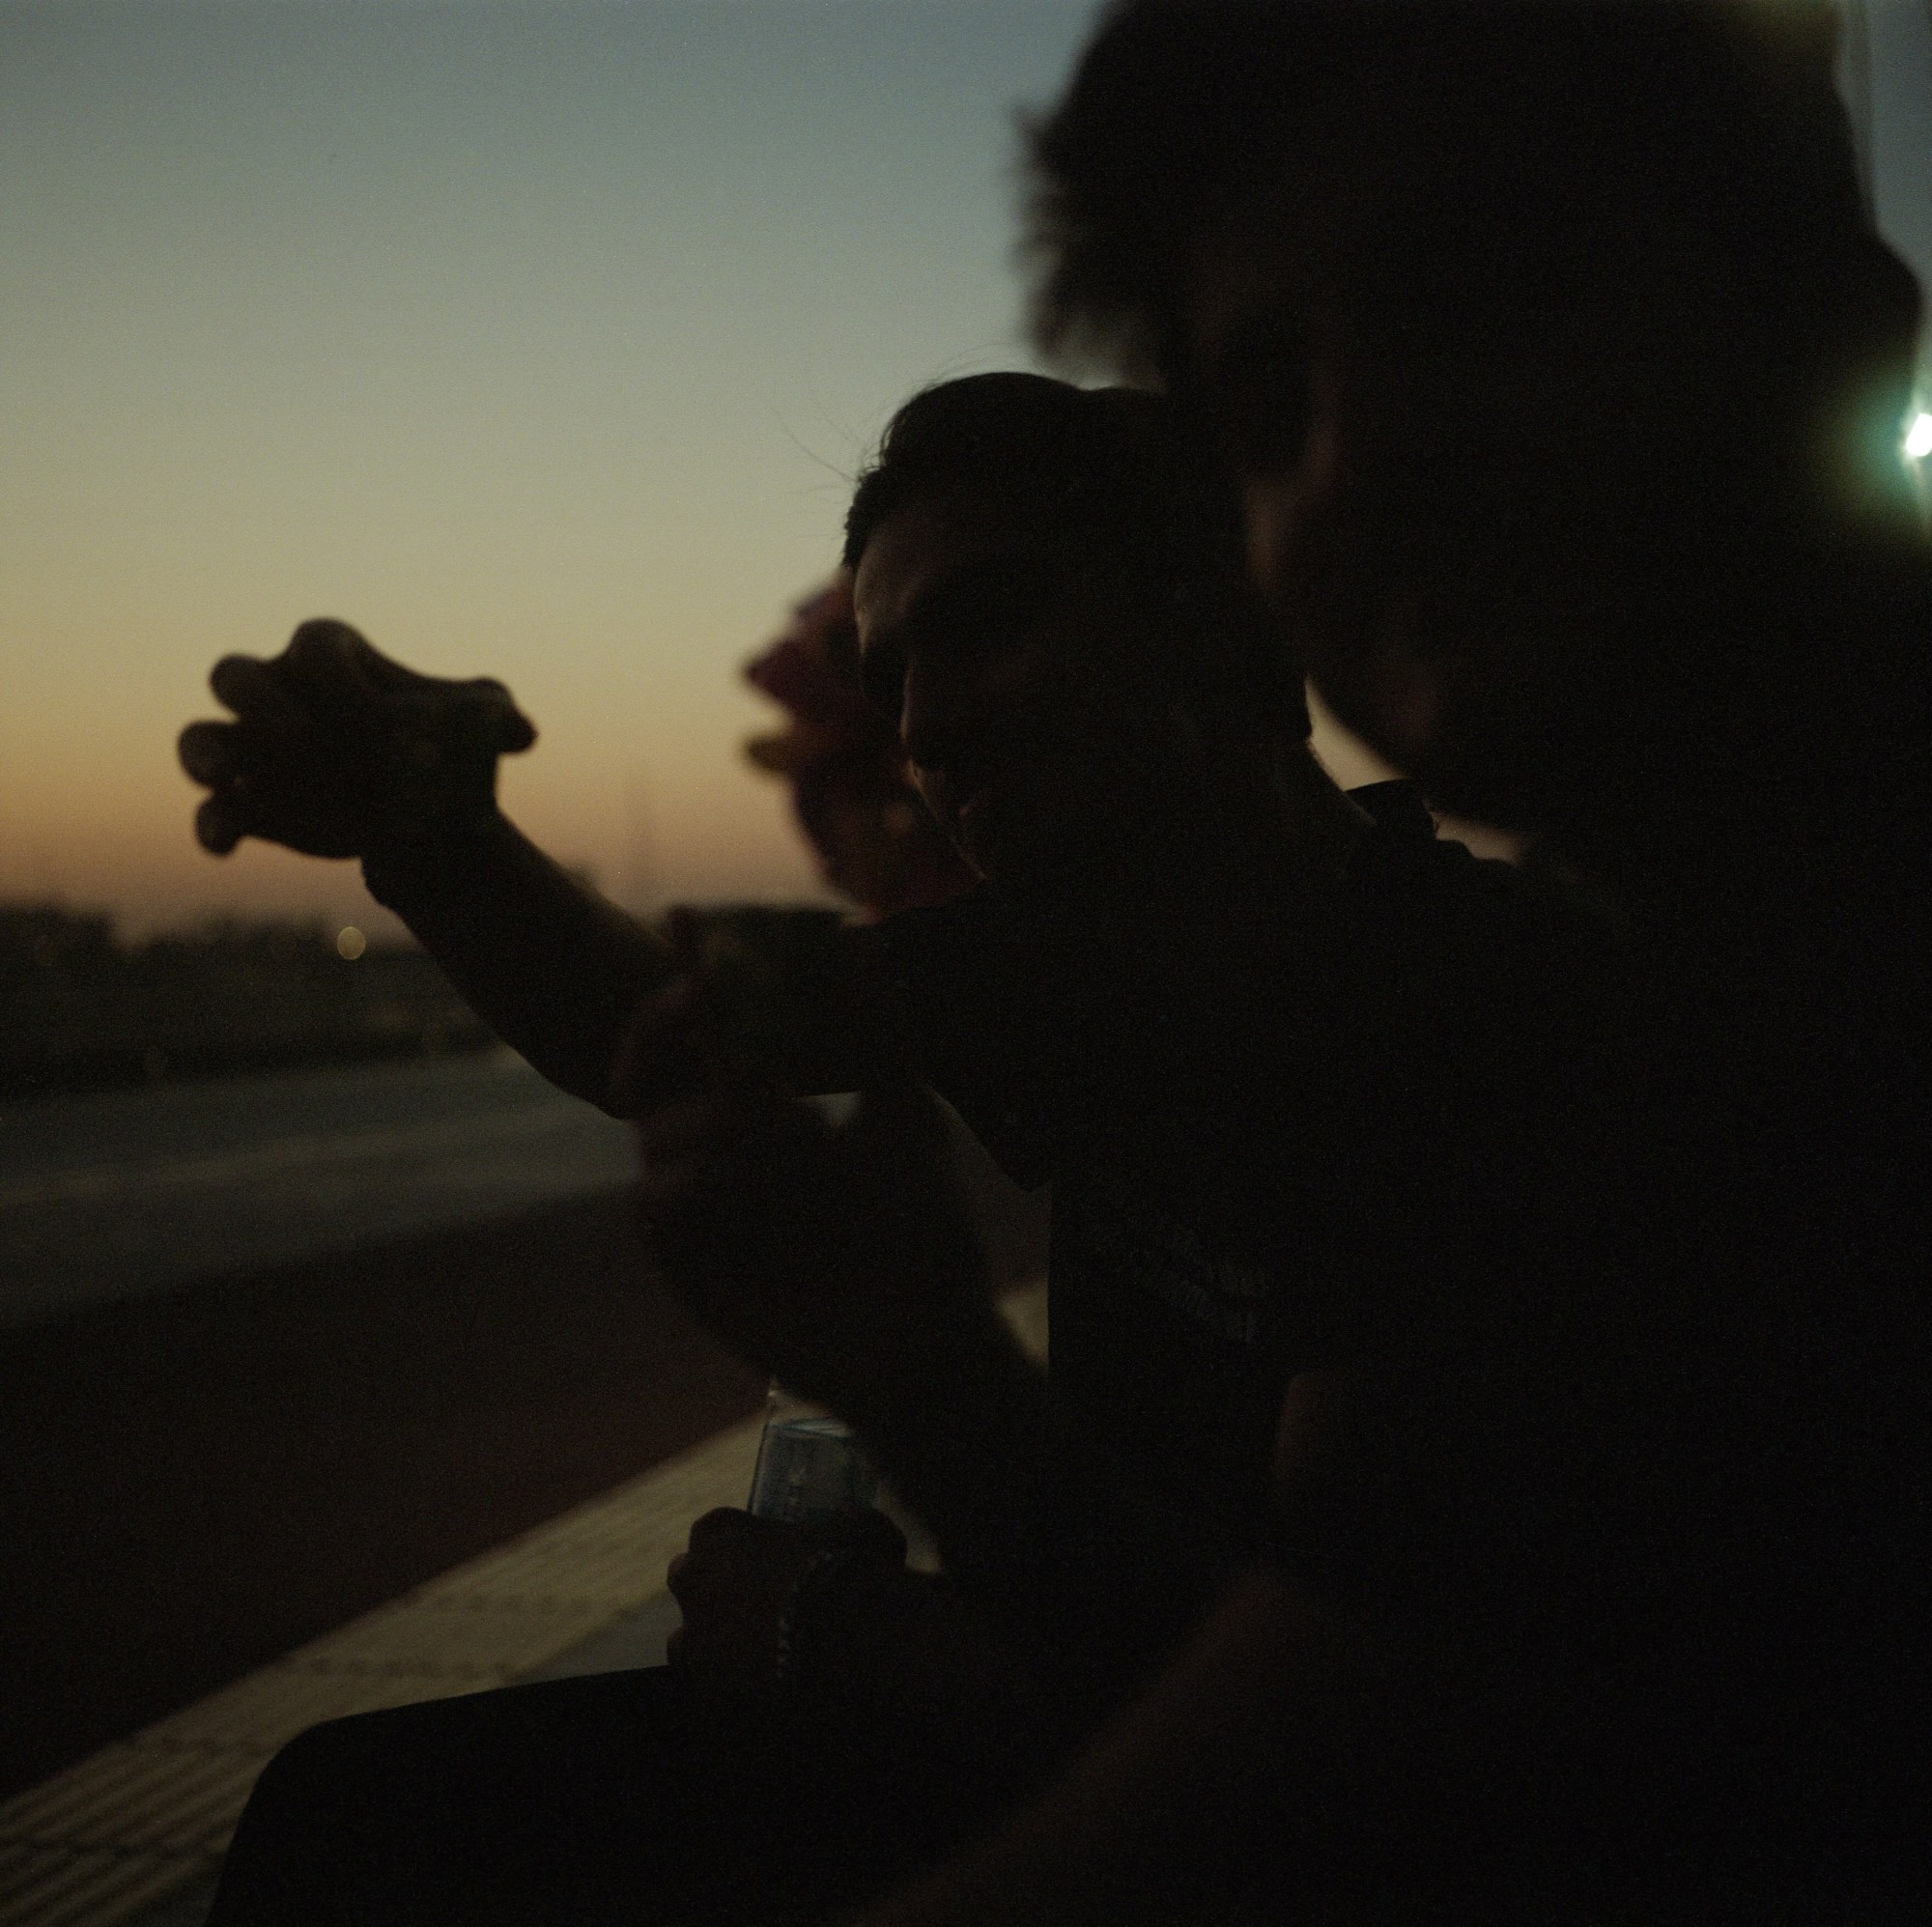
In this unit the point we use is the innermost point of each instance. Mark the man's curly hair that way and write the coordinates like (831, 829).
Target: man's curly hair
(1121, 473)
(1526, 140)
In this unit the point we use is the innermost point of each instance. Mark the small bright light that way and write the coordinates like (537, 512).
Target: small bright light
(349, 942)
(1918, 438)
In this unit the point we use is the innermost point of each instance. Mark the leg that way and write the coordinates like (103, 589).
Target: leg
(571, 1801)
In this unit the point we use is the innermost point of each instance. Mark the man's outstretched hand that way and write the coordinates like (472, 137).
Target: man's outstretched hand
(335, 750)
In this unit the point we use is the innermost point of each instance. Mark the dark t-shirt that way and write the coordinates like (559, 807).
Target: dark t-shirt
(1620, 1228)
(1337, 1128)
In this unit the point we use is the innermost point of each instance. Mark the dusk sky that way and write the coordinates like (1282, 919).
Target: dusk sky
(536, 340)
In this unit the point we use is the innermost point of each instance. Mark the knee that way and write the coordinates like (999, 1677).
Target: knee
(321, 1772)
(298, 1830)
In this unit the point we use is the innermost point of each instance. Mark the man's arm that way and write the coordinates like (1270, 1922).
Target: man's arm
(838, 1259)
(1347, 1722)
(1280, 1703)
(554, 968)
(337, 751)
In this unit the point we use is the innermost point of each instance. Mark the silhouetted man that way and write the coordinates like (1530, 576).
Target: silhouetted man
(1562, 375)
(1295, 1074)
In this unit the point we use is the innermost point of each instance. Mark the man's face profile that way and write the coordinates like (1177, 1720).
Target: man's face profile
(1265, 358)
(1009, 660)
(1447, 492)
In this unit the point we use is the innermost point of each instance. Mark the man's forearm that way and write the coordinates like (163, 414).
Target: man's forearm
(558, 971)
(554, 968)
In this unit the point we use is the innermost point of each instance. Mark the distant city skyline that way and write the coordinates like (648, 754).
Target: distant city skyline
(539, 341)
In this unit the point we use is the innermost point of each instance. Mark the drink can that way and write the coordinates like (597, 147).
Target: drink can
(810, 1466)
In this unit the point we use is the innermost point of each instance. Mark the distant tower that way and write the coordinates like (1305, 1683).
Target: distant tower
(640, 875)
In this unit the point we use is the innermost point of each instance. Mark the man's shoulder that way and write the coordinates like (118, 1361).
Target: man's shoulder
(1430, 901)
(1479, 996)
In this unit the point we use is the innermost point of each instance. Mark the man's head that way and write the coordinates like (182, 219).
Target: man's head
(1533, 333)
(1050, 599)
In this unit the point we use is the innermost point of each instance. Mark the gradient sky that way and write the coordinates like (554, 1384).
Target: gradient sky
(539, 340)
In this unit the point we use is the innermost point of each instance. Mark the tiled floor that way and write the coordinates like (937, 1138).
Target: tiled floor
(134, 1836)
(135, 1833)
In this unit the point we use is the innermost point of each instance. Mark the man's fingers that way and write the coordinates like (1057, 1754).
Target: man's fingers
(331, 667)
(721, 1525)
(218, 828)
(341, 677)
(721, 1522)
(323, 646)
(332, 674)
(502, 727)
(382, 673)
(869, 1533)
(346, 677)
(255, 693)
(752, 1131)
(684, 928)
(208, 752)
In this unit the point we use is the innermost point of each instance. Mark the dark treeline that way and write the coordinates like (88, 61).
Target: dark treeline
(80, 1008)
